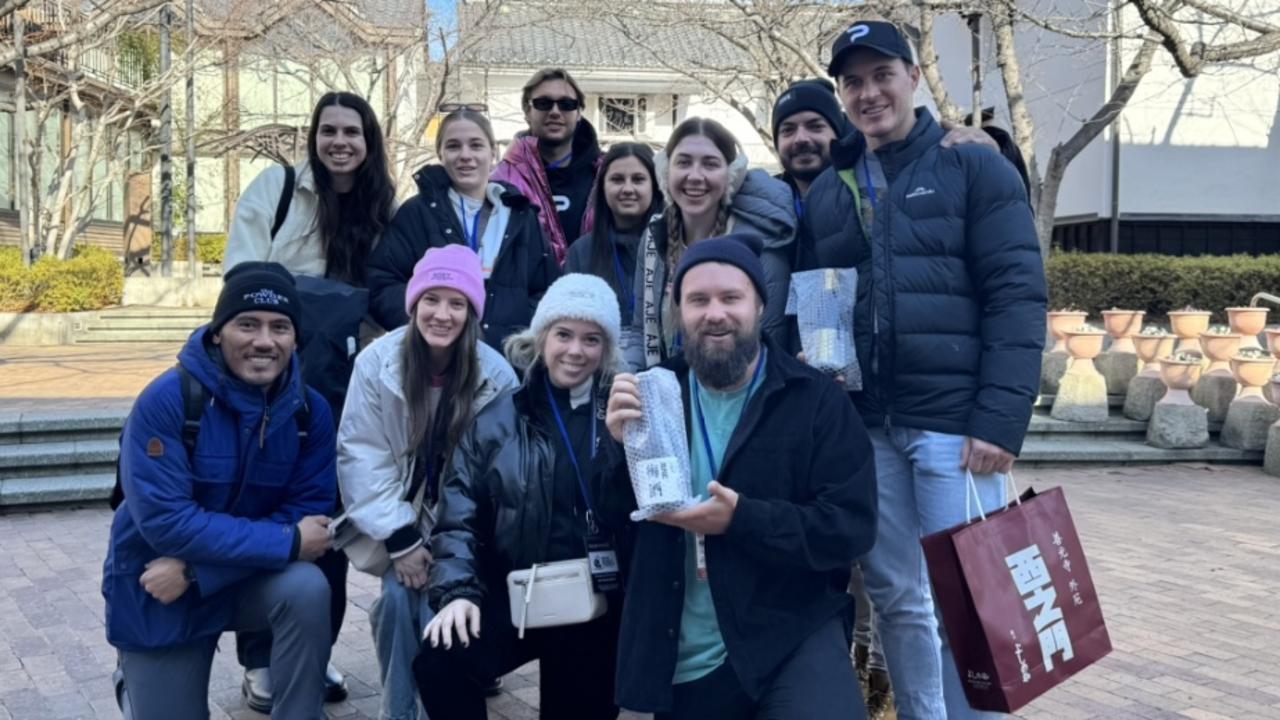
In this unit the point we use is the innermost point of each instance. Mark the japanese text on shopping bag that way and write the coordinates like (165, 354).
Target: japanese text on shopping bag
(1031, 577)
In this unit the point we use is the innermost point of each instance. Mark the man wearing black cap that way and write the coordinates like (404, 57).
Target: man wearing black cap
(227, 472)
(949, 326)
(735, 607)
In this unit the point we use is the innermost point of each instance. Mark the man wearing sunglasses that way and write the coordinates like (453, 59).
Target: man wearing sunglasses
(554, 164)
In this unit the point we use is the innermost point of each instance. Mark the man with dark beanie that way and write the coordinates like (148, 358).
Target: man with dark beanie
(736, 606)
(227, 473)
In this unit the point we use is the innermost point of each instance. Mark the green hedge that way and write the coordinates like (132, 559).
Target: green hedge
(92, 279)
(1158, 283)
(210, 247)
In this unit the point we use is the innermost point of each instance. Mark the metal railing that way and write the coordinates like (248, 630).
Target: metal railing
(45, 19)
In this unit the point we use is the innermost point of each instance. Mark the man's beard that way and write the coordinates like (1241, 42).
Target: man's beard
(805, 174)
(721, 369)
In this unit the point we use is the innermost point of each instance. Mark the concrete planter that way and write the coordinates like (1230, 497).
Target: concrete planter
(1179, 377)
(1249, 322)
(1122, 325)
(1062, 320)
(1188, 325)
(1219, 349)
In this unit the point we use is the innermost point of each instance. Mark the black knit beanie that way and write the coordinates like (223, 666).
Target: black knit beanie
(737, 249)
(253, 286)
(815, 95)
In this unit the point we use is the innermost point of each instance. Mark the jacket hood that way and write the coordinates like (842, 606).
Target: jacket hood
(207, 368)
(433, 181)
(764, 207)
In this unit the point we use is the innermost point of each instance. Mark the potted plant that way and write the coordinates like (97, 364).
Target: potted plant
(1187, 324)
(1122, 325)
(1249, 322)
(1253, 369)
(1060, 320)
(1152, 343)
(1180, 372)
(1219, 345)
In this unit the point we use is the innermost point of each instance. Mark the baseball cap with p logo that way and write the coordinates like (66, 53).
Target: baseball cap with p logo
(879, 36)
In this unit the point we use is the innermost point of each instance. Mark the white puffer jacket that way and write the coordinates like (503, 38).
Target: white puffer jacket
(297, 245)
(374, 457)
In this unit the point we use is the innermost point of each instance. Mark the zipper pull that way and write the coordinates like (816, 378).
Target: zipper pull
(262, 434)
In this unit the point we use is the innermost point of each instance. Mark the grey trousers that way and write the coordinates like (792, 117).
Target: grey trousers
(173, 683)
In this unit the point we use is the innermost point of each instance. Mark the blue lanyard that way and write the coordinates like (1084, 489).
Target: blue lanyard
(702, 421)
(871, 189)
(628, 295)
(472, 233)
(799, 203)
(557, 164)
(573, 457)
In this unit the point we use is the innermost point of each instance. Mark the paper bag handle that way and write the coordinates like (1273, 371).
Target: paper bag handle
(971, 496)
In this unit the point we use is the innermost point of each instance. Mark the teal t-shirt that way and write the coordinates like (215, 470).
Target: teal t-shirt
(701, 648)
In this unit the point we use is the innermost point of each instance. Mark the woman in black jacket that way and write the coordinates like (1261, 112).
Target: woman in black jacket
(456, 203)
(626, 196)
(526, 485)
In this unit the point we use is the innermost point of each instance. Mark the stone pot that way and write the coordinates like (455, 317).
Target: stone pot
(1060, 320)
(1249, 322)
(1122, 325)
(1219, 349)
(1083, 346)
(1273, 342)
(1187, 325)
(1253, 374)
(1179, 377)
(1150, 347)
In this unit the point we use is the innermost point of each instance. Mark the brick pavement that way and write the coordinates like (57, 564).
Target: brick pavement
(58, 377)
(1184, 557)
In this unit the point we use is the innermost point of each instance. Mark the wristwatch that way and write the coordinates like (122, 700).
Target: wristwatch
(189, 573)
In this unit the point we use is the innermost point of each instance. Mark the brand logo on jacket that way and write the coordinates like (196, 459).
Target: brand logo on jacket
(1035, 586)
(920, 191)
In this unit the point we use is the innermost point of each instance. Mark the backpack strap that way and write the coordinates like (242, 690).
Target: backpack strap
(847, 176)
(302, 418)
(193, 400)
(286, 198)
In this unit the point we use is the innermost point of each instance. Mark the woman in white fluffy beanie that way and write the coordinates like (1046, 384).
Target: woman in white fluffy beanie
(533, 481)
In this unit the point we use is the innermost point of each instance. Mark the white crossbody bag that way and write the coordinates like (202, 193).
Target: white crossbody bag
(554, 594)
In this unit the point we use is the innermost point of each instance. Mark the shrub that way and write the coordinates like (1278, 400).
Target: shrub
(1159, 283)
(210, 247)
(92, 279)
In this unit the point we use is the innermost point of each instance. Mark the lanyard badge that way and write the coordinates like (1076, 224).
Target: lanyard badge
(602, 553)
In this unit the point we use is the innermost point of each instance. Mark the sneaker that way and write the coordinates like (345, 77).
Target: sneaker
(493, 688)
(257, 690)
(335, 685)
(879, 694)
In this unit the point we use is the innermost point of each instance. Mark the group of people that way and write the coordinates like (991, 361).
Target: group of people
(481, 432)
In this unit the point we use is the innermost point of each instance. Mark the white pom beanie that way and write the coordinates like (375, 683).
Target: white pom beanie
(578, 296)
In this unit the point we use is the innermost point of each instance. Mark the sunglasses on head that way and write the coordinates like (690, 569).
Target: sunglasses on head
(454, 107)
(566, 104)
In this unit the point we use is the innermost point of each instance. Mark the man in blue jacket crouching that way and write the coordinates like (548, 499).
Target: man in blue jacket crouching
(227, 470)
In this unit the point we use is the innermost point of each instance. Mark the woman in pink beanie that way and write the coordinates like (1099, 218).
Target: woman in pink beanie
(412, 394)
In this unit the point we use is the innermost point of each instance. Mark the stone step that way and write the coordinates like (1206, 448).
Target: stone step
(52, 427)
(1046, 401)
(58, 458)
(1093, 451)
(1116, 426)
(56, 489)
(152, 311)
(113, 335)
(143, 323)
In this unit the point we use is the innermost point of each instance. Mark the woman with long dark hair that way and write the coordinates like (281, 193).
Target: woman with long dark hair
(341, 202)
(319, 219)
(710, 192)
(626, 196)
(458, 203)
(529, 488)
(414, 393)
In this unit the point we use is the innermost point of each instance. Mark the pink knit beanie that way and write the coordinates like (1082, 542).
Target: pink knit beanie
(453, 266)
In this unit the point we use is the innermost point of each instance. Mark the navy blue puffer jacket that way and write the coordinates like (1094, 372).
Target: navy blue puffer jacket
(950, 319)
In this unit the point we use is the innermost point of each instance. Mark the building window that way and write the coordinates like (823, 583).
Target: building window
(622, 115)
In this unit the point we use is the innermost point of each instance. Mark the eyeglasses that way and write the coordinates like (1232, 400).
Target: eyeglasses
(454, 107)
(566, 104)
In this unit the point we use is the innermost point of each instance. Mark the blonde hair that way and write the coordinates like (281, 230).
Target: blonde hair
(524, 350)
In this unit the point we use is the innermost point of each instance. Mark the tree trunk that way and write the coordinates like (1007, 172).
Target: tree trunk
(1024, 130)
(22, 156)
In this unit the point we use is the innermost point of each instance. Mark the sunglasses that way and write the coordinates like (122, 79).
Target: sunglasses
(566, 104)
(454, 107)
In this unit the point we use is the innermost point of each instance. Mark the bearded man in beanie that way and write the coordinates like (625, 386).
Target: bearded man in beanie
(736, 607)
(227, 466)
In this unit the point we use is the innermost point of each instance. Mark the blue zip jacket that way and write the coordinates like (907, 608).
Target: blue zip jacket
(950, 315)
(229, 510)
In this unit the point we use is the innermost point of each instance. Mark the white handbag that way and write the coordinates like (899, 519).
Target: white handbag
(554, 594)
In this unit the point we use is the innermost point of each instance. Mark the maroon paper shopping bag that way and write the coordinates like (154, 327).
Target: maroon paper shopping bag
(1017, 601)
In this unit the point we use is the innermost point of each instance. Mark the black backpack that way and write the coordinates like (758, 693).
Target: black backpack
(194, 401)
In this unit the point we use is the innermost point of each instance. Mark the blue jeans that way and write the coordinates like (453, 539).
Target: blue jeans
(922, 490)
(398, 618)
(864, 623)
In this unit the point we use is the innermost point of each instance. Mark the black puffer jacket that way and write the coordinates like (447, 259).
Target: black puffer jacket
(950, 317)
(495, 505)
(523, 271)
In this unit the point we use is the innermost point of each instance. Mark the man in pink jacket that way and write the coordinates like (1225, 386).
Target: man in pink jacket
(554, 164)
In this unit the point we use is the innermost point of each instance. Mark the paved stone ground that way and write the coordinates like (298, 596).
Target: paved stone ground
(59, 377)
(1185, 558)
